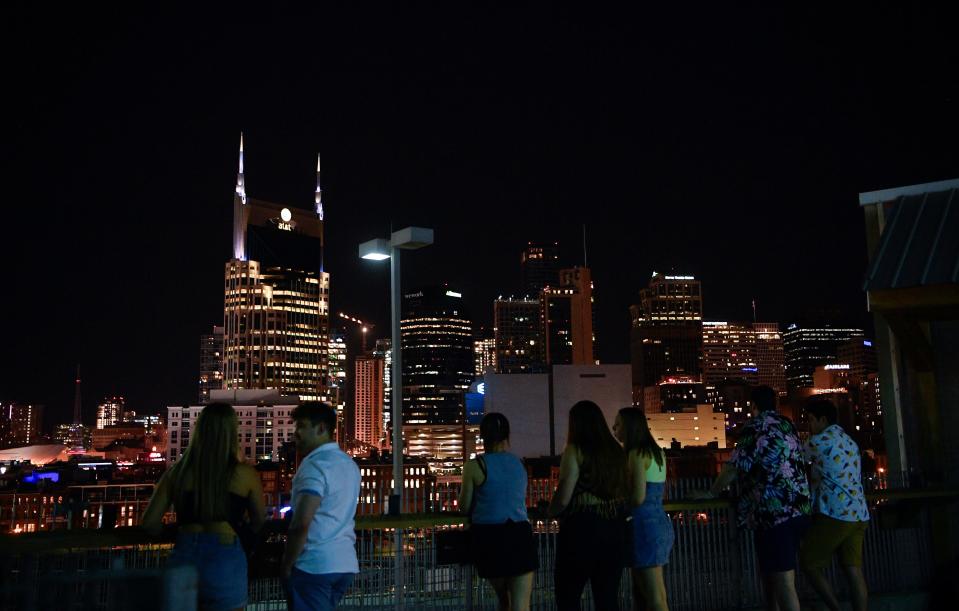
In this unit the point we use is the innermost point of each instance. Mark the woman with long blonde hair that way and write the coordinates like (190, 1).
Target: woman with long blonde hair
(214, 496)
(652, 530)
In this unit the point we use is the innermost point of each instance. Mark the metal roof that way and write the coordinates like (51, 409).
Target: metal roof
(920, 243)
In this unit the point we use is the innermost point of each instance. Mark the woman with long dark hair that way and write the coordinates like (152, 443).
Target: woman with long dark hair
(494, 493)
(590, 502)
(652, 529)
(212, 493)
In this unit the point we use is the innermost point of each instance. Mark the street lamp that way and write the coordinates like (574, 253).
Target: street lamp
(379, 249)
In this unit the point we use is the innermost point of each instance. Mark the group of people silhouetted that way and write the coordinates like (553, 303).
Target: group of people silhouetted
(609, 504)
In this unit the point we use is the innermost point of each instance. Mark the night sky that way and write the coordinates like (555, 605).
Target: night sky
(727, 145)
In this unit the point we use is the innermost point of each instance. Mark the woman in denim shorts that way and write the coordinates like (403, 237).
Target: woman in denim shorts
(213, 493)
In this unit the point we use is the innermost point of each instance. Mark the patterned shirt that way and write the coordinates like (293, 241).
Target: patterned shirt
(836, 475)
(772, 475)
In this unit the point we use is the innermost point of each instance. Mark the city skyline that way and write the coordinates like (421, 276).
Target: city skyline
(743, 173)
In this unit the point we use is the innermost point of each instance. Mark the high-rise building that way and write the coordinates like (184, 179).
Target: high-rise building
(368, 399)
(540, 266)
(808, 347)
(276, 298)
(338, 384)
(751, 352)
(484, 349)
(667, 331)
(770, 356)
(860, 355)
(384, 351)
(518, 335)
(567, 315)
(24, 421)
(438, 364)
(110, 411)
(729, 353)
(211, 363)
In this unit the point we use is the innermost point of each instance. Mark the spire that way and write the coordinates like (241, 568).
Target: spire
(240, 183)
(319, 191)
(76, 399)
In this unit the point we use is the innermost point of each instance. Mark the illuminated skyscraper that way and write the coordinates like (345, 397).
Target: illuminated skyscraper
(667, 331)
(750, 352)
(276, 298)
(368, 399)
(438, 364)
(540, 266)
(484, 349)
(109, 411)
(211, 363)
(23, 422)
(338, 384)
(770, 356)
(567, 315)
(806, 348)
(384, 351)
(518, 336)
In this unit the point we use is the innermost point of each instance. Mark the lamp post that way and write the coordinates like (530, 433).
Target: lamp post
(410, 238)
(379, 249)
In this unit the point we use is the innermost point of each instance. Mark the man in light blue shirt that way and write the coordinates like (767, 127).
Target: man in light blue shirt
(320, 558)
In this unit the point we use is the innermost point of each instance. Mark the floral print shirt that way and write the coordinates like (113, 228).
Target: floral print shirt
(772, 476)
(835, 472)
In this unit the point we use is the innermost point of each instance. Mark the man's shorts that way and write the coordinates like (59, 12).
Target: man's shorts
(777, 547)
(825, 536)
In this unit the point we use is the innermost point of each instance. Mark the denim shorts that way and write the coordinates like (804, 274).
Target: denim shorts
(221, 569)
(312, 592)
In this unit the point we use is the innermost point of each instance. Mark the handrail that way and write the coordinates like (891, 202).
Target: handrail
(126, 536)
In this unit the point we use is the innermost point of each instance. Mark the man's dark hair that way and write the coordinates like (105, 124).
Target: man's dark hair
(821, 407)
(317, 413)
(494, 428)
(764, 398)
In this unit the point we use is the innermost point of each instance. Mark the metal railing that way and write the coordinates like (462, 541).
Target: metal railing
(712, 565)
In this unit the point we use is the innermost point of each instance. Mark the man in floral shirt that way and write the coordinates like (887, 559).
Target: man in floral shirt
(774, 496)
(840, 513)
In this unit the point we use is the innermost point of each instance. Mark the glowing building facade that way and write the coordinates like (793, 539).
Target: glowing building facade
(276, 298)
(667, 331)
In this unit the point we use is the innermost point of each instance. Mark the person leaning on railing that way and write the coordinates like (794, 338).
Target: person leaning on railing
(215, 496)
(590, 502)
(501, 541)
(319, 562)
(774, 496)
(652, 530)
(840, 512)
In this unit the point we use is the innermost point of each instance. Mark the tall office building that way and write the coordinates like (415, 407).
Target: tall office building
(860, 355)
(518, 335)
(368, 399)
(808, 347)
(770, 356)
(276, 297)
(751, 352)
(211, 363)
(110, 411)
(484, 350)
(338, 387)
(567, 315)
(540, 266)
(438, 364)
(667, 331)
(383, 350)
(23, 423)
(729, 353)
